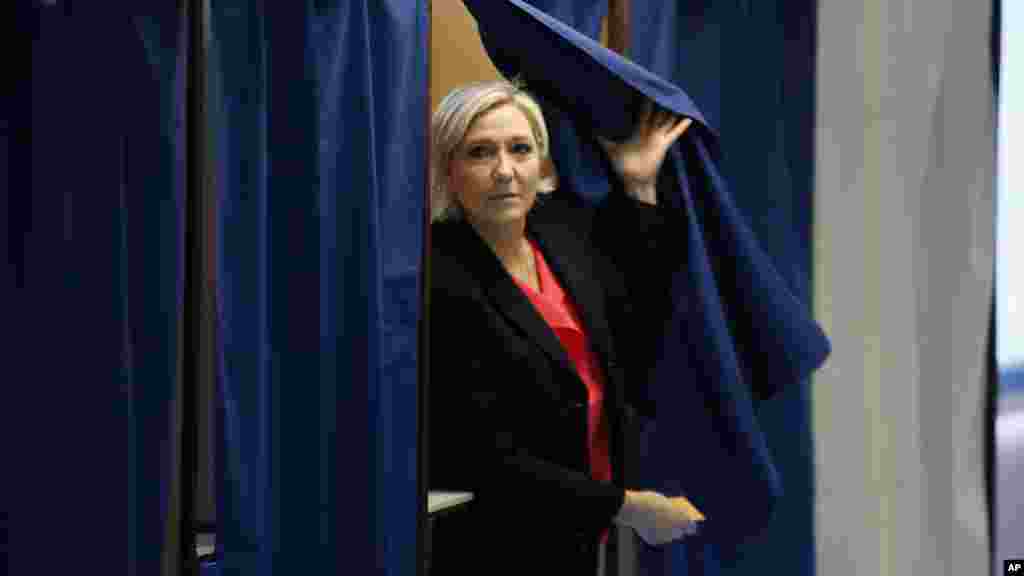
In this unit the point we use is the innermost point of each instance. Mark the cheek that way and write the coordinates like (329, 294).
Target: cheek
(533, 173)
(466, 184)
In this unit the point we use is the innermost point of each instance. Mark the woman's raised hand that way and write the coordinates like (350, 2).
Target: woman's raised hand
(638, 159)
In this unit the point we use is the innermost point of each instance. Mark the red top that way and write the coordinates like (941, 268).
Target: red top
(558, 311)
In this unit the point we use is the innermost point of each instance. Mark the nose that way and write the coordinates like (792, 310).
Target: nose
(503, 167)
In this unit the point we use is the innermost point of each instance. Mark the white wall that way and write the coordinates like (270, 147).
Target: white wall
(903, 268)
(1010, 270)
(1010, 288)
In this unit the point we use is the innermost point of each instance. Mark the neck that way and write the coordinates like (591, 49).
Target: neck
(507, 241)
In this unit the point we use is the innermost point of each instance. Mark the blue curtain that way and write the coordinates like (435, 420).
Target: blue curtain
(94, 172)
(318, 113)
(579, 161)
(749, 67)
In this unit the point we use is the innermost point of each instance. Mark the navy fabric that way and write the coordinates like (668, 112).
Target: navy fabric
(768, 157)
(319, 121)
(573, 110)
(94, 219)
(738, 331)
(582, 15)
(568, 148)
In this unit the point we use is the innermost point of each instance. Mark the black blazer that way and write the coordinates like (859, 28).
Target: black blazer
(508, 416)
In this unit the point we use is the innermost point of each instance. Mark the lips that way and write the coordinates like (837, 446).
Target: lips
(504, 196)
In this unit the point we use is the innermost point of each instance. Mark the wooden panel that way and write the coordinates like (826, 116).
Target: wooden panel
(617, 34)
(456, 54)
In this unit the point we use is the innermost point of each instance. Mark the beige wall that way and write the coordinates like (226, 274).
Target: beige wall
(456, 55)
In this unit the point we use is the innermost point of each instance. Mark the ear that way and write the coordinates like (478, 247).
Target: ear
(548, 175)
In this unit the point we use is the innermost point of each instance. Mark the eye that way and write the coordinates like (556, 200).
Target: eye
(479, 151)
(521, 148)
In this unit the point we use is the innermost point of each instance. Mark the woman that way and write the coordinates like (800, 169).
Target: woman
(544, 320)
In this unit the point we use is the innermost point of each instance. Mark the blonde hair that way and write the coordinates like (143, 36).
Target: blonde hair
(451, 121)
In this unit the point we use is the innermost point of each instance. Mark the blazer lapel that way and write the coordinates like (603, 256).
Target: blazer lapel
(503, 293)
(566, 255)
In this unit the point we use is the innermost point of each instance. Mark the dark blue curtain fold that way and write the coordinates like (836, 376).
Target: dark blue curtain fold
(318, 115)
(94, 228)
(579, 161)
(740, 184)
(750, 69)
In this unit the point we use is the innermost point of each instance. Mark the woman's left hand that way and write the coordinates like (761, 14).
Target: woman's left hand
(638, 159)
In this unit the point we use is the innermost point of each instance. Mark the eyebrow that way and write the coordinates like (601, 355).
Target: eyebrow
(487, 140)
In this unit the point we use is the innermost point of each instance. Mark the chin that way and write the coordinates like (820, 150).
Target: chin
(500, 215)
(509, 214)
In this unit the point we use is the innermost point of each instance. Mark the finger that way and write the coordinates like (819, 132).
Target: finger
(646, 118)
(675, 121)
(697, 513)
(657, 118)
(648, 112)
(679, 128)
(693, 511)
(688, 508)
(668, 118)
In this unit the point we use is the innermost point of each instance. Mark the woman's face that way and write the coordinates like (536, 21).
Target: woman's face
(495, 171)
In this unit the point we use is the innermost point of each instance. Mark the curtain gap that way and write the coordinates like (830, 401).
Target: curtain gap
(191, 306)
(423, 542)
